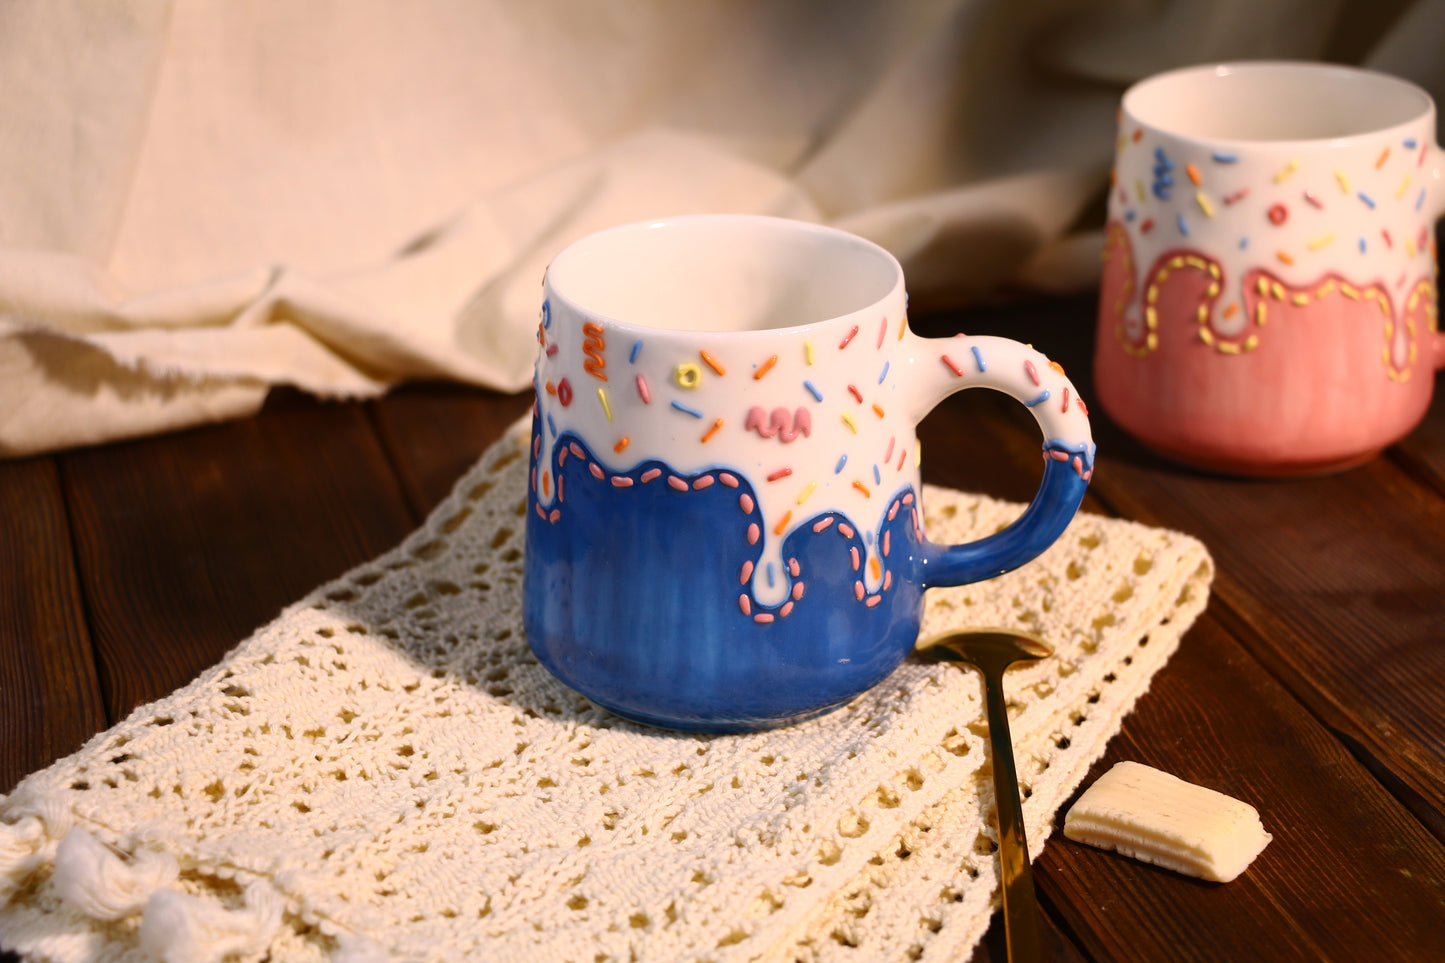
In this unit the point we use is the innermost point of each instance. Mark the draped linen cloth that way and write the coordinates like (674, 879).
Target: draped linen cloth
(200, 200)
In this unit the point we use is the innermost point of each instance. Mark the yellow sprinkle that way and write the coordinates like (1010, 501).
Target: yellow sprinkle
(808, 351)
(1262, 285)
(1277, 290)
(1206, 335)
(807, 491)
(1300, 300)
(1259, 313)
(1139, 189)
(1350, 291)
(1228, 347)
(606, 408)
(1325, 288)
(782, 525)
(1286, 171)
(1409, 247)
(1251, 342)
(1404, 186)
(918, 454)
(1151, 341)
(1344, 182)
(1203, 203)
(1320, 242)
(848, 420)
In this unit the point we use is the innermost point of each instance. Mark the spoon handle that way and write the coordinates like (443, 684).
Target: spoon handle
(1020, 910)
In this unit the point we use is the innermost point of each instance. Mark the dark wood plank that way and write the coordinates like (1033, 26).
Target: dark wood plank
(1422, 452)
(188, 542)
(51, 700)
(1334, 583)
(1349, 875)
(434, 433)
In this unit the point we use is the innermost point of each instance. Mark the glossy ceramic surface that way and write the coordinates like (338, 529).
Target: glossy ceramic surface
(1268, 303)
(723, 522)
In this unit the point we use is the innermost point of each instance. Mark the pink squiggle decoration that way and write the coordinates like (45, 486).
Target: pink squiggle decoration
(785, 426)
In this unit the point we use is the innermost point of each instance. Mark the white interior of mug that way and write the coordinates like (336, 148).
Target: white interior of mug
(1274, 101)
(721, 272)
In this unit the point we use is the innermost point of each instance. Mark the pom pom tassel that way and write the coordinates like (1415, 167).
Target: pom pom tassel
(180, 928)
(91, 877)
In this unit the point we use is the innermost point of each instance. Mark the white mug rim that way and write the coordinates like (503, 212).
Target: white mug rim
(844, 238)
(1424, 113)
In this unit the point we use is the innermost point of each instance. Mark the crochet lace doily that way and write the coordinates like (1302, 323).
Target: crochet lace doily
(385, 772)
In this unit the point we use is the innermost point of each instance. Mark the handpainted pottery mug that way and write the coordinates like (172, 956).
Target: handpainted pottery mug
(1268, 304)
(723, 528)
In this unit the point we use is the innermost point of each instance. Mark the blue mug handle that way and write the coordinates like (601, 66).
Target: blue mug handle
(946, 365)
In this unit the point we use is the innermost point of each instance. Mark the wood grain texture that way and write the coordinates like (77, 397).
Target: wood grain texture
(187, 543)
(1349, 875)
(51, 698)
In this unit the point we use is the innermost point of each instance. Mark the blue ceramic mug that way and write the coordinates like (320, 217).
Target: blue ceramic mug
(723, 529)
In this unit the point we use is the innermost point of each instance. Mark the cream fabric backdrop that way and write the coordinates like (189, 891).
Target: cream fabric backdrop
(201, 199)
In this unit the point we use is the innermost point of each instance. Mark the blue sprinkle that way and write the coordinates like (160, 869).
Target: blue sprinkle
(772, 575)
(1183, 227)
(868, 536)
(1043, 396)
(978, 359)
(1163, 159)
(636, 349)
(1243, 243)
(1160, 191)
(1225, 158)
(877, 476)
(686, 410)
(841, 462)
(1420, 200)
(552, 425)
(1129, 215)
(1410, 143)
(1362, 245)
(1369, 201)
(546, 314)
(813, 390)
(1163, 178)
(884, 374)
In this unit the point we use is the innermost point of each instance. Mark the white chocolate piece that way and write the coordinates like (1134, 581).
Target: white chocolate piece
(1161, 819)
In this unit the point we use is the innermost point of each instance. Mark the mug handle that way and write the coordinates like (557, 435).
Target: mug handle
(1437, 210)
(946, 365)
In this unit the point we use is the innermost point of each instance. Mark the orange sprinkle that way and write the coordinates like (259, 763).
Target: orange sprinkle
(546, 484)
(765, 368)
(1138, 132)
(712, 363)
(622, 444)
(1284, 258)
(862, 488)
(551, 388)
(1057, 367)
(782, 525)
(1232, 310)
(716, 425)
(878, 411)
(874, 567)
(1193, 173)
(1383, 155)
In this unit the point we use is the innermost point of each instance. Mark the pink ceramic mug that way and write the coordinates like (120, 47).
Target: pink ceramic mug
(1268, 304)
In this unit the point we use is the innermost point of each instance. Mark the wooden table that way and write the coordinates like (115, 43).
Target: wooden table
(1313, 687)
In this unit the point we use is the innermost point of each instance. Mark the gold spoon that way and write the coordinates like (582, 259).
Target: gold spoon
(991, 651)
